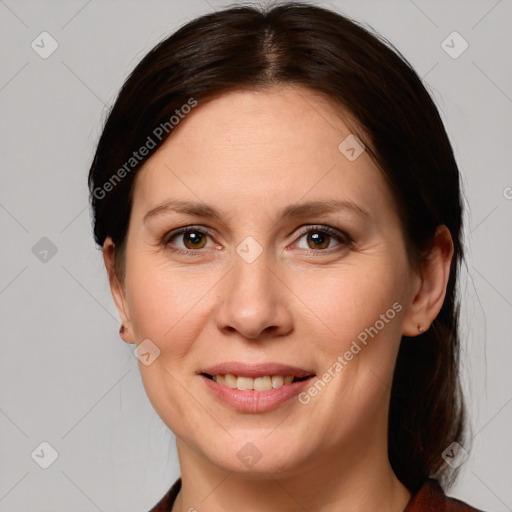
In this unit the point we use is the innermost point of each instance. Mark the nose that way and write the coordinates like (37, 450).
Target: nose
(254, 301)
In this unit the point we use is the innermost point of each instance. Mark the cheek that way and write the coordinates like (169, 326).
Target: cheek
(342, 302)
(357, 331)
(168, 305)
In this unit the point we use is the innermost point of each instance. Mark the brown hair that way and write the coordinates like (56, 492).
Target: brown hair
(397, 120)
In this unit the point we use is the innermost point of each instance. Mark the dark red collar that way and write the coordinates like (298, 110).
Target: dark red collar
(431, 498)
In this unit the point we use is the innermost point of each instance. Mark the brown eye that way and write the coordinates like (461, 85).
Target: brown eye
(194, 240)
(318, 240)
(187, 239)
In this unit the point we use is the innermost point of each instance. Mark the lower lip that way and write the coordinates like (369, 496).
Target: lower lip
(255, 401)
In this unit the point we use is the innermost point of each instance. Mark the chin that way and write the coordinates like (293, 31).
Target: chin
(257, 455)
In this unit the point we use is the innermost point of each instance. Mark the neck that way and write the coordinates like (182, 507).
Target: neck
(357, 479)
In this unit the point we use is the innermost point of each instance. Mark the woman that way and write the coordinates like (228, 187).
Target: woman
(280, 215)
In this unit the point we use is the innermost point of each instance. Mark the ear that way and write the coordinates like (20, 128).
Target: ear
(118, 291)
(432, 281)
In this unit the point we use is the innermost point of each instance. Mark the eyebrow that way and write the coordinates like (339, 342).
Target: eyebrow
(290, 211)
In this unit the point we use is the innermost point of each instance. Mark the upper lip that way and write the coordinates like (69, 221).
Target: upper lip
(255, 370)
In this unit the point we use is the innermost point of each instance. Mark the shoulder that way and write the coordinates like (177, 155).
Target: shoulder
(166, 503)
(432, 497)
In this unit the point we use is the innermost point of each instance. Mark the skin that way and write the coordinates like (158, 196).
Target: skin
(249, 154)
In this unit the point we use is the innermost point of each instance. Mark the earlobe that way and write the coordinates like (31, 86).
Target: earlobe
(125, 334)
(117, 290)
(429, 297)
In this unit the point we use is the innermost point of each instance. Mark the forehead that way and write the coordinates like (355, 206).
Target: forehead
(255, 147)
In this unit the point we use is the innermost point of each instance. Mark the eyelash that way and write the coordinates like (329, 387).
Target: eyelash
(342, 237)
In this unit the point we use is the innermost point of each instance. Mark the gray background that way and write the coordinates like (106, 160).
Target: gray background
(67, 378)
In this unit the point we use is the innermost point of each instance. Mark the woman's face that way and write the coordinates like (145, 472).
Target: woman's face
(296, 257)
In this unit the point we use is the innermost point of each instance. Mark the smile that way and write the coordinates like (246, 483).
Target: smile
(264, 383)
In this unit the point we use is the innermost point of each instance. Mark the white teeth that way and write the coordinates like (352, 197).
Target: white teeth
(245, 383)
(259, 383)
(229, 380)
(262, 383)
(277, 381)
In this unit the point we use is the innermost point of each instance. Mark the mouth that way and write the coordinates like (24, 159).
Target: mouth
(254, 387)
(262, 383)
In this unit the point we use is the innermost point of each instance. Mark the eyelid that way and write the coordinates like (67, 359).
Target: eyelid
(183, 230)
(341, 236)
(186, 229)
